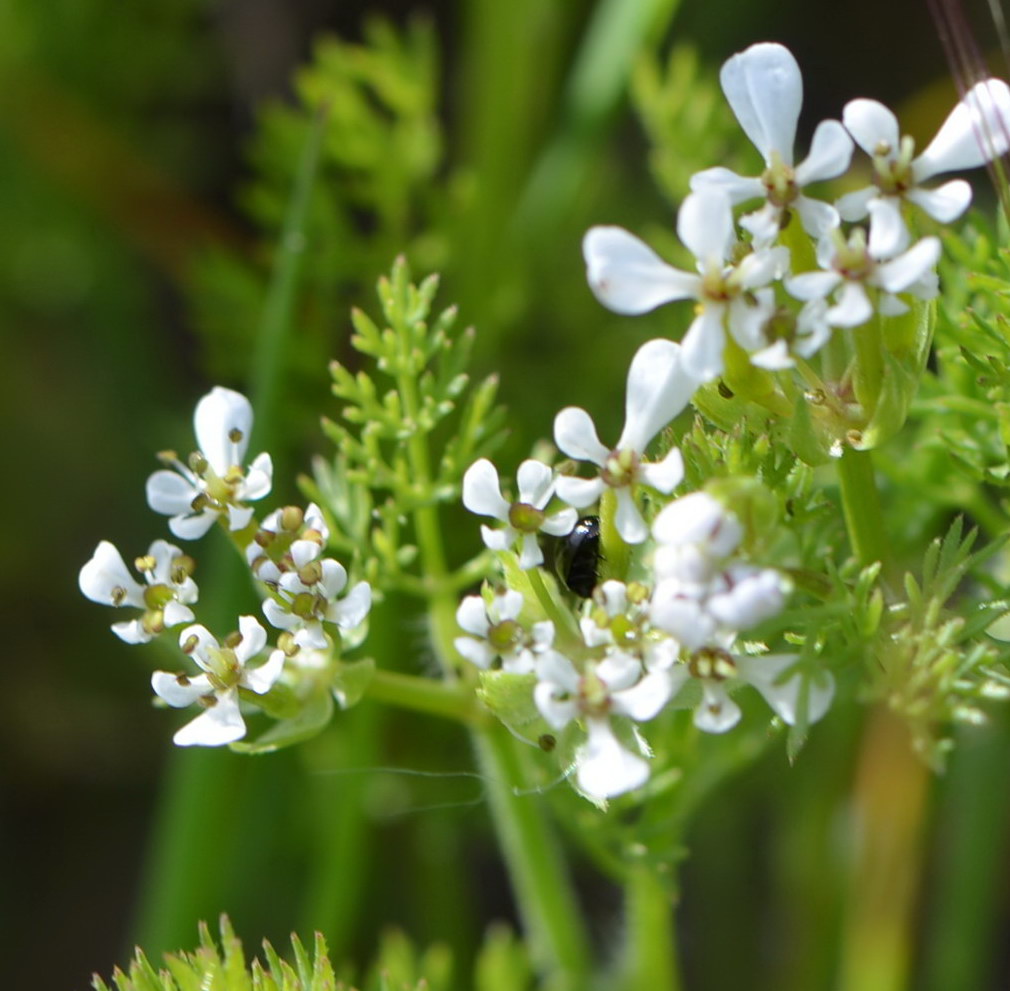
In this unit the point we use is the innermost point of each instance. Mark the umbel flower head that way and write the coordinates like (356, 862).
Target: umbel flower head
(496, 632)
(214, 483)
(226, 669)
(164, 599)
(658, 389)
(304, 587)
(765, 89)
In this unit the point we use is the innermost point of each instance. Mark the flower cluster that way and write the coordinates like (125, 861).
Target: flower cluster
(300, 588)
(747, 286)
(674, 590)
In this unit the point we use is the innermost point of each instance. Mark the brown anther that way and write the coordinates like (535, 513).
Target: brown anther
(145, 563)
(191, 643)
(235, 435)
(117, 595)
(232, 640)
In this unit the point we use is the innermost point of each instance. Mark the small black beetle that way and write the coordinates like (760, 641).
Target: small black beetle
(578, 558)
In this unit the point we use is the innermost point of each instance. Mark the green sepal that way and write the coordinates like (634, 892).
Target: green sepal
(314, 714)
(351, 680)
(510, 698)
(906, 343)
(806, 438)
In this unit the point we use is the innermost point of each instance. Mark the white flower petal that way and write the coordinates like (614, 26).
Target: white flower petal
(627, 276)
(753, 596)
(705, 225)
(738, 188)
(170, 494)
(254, 639)
(530, 554)
(498, 540)
(899, 273)
(352, 609)
(507, 605)
(856, 205)
(132, 631)
(561, 523)
(192, 527)
(279, 617)
(105, 574)
(218, 725)
(829, 156)
(482, 491)
(239, 517)
(699, 518)
(665, 475)
(175, 613)
(536, 483)
(258, 479)
(334, 577)
(179, 691)
(644, 700)
(764, 87)
(575, 435)
(853, 307)
(977, 130)
(717, 712)
(873, 126)
(816, 216)
(579, 492)
(628, 520)
(945, 203)
(763, 225)
(703, 344)
(260, 680)
(220, 416)
(763, 673)
(888, 233)
(471, 615)
(658, 389)
(605, 768)
(477, 652)
(812, 285)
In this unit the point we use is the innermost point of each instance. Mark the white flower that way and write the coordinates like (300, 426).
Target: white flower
(765, 90)
(658, 389)
(847, 268)
(214, 484)
(306, 597)
(613, 686)
(976, 131)
(225, 670)
(523, 518)
(629, 277)
(716, 669)
(164, 599)
(287, 540)
(497, 632)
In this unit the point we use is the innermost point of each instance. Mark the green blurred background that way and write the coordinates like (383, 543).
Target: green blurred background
(141, 191)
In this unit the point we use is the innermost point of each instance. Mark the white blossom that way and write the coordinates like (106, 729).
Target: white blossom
(717, 671)
(304, 598)
(225, 670)
(495, 632)
(976, 131)
(214, 483)
(658, 389)
(615, 686)
(847, 268)
(164, 598)
(765, 90)
(628, 277)
(525, 517)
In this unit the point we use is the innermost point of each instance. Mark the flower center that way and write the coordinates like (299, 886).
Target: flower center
(526, 518)
(594, 696)
(852, 260)
(712, 664)
(892, 169)
(621, 468)
(505, 636)
(779, 181)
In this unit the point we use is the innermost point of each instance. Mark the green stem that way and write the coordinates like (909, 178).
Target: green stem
(869, 370)
(436, 698)
(864, 515)
(552, 919)
(652, 944)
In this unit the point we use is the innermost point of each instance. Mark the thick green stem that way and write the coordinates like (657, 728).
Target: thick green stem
(652, 944)
(551, 917)
(418, 694)
(864, 515)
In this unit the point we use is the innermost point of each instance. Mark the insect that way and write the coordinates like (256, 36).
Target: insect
(577, 559)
